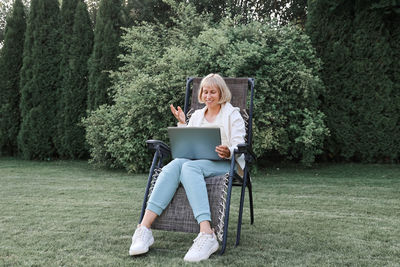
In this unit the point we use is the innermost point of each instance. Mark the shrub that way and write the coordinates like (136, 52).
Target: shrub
(159, 59)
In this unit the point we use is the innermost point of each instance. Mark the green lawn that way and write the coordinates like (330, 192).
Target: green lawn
(67, 213)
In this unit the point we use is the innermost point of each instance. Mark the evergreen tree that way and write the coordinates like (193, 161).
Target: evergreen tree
(75, 91)
(10, 65)
(107, 35)
(284, 11)
(147, 10)
(358, 41)
(67, 14)
(39, 81)
(26, 69)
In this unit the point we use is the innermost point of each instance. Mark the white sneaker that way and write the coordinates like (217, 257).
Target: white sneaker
(142, 239)
(204, 245)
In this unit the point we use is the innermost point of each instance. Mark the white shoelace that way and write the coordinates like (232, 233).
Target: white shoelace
(199, 241)
(139, 234)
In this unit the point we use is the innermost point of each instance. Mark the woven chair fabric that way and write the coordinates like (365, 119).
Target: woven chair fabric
(178, 215)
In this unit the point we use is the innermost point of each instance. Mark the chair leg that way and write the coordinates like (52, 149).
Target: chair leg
(226, 219)
(239, 225)
(151, 172)
(249, 186)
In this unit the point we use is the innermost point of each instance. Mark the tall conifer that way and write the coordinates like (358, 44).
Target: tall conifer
(107, 35)
(10, 65)
(39, 81)
(67, 15)
(75, 90)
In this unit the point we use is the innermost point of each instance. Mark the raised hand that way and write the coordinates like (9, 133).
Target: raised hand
(178, 113)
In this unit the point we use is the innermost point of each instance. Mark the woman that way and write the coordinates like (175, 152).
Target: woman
(218, 112)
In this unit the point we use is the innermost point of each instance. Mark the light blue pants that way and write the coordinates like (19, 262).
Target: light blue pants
(192, 174)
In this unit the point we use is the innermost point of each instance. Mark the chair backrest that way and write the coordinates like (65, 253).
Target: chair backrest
(239, 88)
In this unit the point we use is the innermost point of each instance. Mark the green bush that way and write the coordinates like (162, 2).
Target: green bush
(158, 61)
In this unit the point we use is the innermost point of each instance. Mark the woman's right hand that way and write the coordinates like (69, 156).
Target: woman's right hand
(178, 113)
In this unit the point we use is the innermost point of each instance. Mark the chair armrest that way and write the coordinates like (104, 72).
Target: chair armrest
(162, 147)
(247, 151)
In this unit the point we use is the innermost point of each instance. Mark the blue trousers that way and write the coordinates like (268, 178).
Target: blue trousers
(192, 174)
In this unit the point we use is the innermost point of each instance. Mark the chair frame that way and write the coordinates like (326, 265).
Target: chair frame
(162, 152)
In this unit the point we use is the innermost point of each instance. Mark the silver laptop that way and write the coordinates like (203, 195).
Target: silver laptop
(194, 142)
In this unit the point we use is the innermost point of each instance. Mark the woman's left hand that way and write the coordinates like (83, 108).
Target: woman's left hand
(223, 151)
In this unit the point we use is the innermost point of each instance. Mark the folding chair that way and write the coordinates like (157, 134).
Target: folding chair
(178, 216)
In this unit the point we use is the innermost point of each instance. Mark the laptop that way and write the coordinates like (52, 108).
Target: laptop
(194, 142)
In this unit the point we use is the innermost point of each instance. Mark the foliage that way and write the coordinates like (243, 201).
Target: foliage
(10, 65)
(98, 128)
(92, 6)
(159, 59)
(107, 35)
(284, 11)
(359, 44)
(5, 10)
(39, 81)
(67, 15)
(75, 89)
(5, 7)
(147, 10)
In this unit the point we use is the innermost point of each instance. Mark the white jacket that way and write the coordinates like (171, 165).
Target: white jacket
(233, 125)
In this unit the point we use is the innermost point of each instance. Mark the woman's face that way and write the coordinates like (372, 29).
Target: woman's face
(210, 96)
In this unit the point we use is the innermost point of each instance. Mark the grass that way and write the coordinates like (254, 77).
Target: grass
(67, 213)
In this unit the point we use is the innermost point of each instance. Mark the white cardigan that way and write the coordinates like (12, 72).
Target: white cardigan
(233, 125)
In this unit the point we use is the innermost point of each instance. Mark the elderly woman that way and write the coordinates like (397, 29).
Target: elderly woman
(218, 112)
